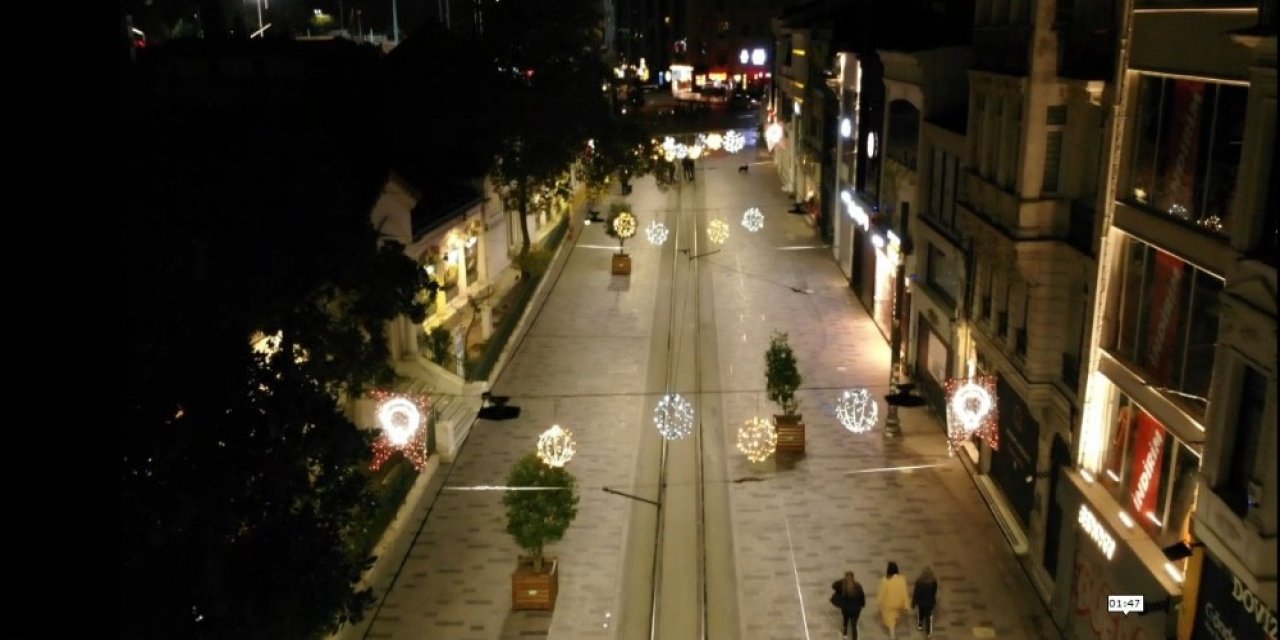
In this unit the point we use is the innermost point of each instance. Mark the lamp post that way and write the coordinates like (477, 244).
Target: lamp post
(892, 429)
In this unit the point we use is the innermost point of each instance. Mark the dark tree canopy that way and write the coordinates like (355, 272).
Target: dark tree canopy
(248, 172)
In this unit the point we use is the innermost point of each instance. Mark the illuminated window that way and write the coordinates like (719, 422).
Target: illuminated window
(1186, 154)
(1150, 473)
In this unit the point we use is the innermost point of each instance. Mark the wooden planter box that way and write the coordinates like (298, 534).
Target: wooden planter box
(621, 264)
(790, 434)
(534, 591)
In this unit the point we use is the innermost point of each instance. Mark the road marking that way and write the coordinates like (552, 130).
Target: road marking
(903, 468)
(796, 571)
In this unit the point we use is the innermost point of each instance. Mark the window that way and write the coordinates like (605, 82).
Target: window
(1151, 473)
(944, 275)
(1242, 457)
(1169, 321)
(1052, 160)
(1187, 140)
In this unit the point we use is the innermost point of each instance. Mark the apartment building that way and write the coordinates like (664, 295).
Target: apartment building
(1175, 495)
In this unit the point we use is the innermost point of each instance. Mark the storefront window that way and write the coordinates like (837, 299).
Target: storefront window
(1188, 136)
(1169, 321)
(1151, 474)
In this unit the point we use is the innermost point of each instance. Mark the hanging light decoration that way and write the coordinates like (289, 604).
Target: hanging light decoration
(402, 419)
(971, 410)
(753, 219)
(718, 231)
(857, 410)
(695, 151)
(624, 224)
(682, 151)
(556, 446)
(734, 141)
(669, 154)
(714, 140)
(656, 232)
(773, 135)
(673, 417)
(757, 439)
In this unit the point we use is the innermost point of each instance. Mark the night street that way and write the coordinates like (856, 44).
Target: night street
(596, 359)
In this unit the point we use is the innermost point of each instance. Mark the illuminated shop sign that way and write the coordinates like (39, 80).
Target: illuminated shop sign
(1229, 610)
(1093, 528)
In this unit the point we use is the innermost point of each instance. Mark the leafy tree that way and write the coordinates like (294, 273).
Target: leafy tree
(550, 84)
(250, 215)
(782, 377)
(622, 148)
(537, 518)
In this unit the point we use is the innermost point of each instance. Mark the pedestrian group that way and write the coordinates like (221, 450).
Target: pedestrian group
(892, 598)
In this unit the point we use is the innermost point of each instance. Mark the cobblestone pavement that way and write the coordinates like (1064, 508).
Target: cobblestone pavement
(852, 502)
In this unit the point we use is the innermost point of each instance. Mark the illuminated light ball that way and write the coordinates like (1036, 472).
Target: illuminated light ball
(714, 141)
(734, 141)
(753, 219)
(668, 143)
(673, 417)
(682, 151)
(718, 231)
(669, 154)
(625, 225)
(773, 134)
(399, 419)
(656, 232)
(970, 404)
(846, 128)
(757, 439)
(556, 446)
(695, 151)
(857, 411)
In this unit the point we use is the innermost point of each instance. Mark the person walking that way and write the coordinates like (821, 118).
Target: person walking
(850, 598)
(924, 598)
(893, 598)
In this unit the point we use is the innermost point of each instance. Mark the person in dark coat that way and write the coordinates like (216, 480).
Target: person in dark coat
(851, 599)
(924, 598)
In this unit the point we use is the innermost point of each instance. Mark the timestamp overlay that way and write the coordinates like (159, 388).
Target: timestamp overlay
(1124, 604)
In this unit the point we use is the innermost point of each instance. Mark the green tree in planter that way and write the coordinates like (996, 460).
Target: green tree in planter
(537, 518)
(782, 378)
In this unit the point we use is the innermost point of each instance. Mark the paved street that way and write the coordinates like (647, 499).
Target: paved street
(595, 360)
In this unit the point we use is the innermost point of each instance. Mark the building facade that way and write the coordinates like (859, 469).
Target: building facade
(1180, 406)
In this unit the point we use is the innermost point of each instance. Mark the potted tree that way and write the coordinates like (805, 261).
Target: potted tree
(782, 379)
(535, 519)
(622, 225)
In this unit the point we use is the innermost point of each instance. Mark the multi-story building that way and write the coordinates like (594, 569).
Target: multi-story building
(1174, 498)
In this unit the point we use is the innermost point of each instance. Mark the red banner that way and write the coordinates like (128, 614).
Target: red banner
(1165, 302)
(1144, 475)
(1182, 150)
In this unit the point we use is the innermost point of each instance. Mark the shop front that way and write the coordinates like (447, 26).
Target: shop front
(1102, 559)
(1228, 609)
(933, 361)
(1015, 461)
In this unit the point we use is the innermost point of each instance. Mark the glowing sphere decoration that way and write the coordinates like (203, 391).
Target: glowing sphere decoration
(734, 141)
(757, 439)
(773, 135)
(695, 151)
(556, 446)
(857, 410)
(971, 410)
(673, 417)
(669, 154)
(402, 419)
(656, 232)
(624, 224)
(718, 231)
(713, 141)
(753, 220)
(681, 150)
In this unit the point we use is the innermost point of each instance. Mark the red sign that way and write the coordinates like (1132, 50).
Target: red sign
(1144, 476)
(1164, 316)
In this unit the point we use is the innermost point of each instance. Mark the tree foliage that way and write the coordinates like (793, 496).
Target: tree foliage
(549, 88)
(782, 376)
(538, 518)
(242, 215)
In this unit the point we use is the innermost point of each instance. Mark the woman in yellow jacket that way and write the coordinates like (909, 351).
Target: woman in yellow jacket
(893, 597)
